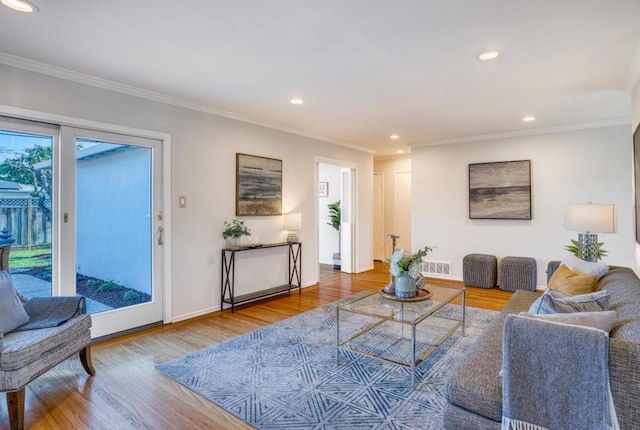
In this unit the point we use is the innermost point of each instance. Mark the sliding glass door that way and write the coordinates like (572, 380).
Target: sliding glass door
(83, 212)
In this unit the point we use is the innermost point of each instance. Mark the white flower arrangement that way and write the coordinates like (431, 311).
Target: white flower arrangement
(402, 261)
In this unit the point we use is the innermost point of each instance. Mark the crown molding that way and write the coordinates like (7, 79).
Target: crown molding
(106, 84)
(529, 132)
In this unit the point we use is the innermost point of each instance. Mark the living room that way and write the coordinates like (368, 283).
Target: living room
(583, 159)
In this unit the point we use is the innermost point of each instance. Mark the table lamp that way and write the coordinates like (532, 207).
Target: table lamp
(293, 223)
(590, 219)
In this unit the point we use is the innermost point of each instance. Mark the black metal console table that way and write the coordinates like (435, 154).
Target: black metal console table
(227, 281)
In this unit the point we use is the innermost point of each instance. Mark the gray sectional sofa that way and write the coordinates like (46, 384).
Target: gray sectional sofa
(474, 390)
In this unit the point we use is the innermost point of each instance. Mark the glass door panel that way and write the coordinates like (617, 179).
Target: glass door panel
(26, 206)
(118, 226)
(113, 224)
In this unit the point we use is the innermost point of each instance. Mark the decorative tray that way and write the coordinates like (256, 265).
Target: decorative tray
(421, 295)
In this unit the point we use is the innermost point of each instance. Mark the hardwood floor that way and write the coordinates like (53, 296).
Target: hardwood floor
(127, 391)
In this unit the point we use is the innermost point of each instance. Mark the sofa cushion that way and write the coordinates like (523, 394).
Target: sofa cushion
(585, 267)
(553, 301)
(12, 313)
(603, 320)
(623, 287)
(23, 347)
(569, 282)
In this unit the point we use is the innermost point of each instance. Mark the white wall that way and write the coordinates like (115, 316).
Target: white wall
(578, 166)
(327, 235)
(388, 167)
(203, 170)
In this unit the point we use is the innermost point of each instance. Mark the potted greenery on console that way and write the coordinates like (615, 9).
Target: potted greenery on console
(234, 231)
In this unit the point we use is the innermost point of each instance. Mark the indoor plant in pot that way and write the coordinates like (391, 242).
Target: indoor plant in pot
(406, 268)
(234, 231)
(335, 215)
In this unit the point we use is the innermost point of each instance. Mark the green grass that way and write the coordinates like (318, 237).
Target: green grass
(25, 258)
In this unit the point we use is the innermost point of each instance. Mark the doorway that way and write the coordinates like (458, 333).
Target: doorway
(336, 184)
(91, 221)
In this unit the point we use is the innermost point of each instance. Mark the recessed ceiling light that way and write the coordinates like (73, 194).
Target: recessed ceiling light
(489, 55)
(394, 137)
(297, 101)
(529, 118)
(400, 151)
(20, 5)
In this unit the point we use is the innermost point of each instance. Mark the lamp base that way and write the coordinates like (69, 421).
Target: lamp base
(293, 238)
(588, 246)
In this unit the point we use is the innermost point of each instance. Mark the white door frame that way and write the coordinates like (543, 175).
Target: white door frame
(354, 210)
(28, 114)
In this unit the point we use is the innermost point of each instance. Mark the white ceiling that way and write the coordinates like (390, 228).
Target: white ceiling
(365, 68)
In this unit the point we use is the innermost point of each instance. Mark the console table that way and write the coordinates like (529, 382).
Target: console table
(227, 281)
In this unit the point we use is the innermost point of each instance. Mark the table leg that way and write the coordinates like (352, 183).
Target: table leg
(463, 311)
(413, 356)
(337, 335)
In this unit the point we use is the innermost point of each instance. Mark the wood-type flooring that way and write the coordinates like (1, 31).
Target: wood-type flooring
(127, 391)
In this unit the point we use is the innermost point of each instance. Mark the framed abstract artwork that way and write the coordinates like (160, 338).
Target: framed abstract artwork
(258, 185)
(636, 177)
(500, 190)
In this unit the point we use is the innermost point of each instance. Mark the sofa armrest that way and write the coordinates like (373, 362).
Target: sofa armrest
(552, 266)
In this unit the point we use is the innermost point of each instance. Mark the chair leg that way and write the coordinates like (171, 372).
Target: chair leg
(15, 405)
(85, 359)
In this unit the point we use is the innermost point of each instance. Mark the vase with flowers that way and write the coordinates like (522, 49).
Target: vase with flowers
(405, 266)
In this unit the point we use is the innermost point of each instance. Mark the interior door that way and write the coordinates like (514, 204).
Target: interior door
(378, 217)
(402, 210)
(115, 218)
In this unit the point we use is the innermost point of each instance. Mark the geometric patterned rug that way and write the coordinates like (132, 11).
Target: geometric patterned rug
(284, 376)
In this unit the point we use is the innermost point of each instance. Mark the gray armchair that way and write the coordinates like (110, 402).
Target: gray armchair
(27, 354)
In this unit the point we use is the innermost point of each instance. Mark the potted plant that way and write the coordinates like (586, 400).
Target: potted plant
(234, 231)
(406, 268)
(576, 250)
(335, 215)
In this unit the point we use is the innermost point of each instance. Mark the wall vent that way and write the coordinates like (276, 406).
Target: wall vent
(436, 268)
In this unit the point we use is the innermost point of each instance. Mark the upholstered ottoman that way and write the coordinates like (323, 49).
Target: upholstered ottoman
(480, 270)
(518, 273)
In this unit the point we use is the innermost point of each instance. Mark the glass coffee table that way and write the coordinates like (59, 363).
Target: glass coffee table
(398, 331)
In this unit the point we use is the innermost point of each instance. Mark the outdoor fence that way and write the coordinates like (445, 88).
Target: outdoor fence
(25, 221)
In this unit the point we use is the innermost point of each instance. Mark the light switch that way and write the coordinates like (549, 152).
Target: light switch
(182, 202)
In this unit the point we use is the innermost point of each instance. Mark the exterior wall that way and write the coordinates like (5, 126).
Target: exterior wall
(578, 166)
(113, 227)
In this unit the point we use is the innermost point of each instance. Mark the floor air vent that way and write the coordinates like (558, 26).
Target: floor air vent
(436, 268)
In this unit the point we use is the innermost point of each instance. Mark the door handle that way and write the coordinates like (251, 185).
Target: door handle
(159, 235)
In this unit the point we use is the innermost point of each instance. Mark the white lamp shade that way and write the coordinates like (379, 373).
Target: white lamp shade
(590, 217)
(293, 221)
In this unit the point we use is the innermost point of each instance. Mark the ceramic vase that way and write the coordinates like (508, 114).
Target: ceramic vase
(405, 286)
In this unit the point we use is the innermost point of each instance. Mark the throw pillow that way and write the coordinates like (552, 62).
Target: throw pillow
(552, 302)
(12, 314)
(603, 320)
(582, 267)
(569, 282)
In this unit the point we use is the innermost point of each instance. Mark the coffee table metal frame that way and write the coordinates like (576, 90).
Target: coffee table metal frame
(410, 314)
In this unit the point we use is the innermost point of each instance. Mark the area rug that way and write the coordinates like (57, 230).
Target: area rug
(285, 376)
